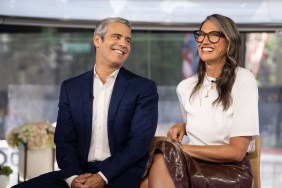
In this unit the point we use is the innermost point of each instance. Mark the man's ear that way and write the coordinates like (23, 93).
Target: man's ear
(97, 40)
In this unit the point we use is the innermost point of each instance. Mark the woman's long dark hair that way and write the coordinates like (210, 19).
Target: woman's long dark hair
(225, 81)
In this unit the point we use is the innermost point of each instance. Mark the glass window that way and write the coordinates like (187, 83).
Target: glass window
(263, 57)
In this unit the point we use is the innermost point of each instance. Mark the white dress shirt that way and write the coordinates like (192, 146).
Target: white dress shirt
(99, 146)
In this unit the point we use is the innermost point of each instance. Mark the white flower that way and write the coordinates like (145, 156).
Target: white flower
(37, 135)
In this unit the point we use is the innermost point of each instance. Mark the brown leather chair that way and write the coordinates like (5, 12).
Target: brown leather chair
(254, 158)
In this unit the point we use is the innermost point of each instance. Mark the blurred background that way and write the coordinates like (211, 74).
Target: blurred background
(45, 42)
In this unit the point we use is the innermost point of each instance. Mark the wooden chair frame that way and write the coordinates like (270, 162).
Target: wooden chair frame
(254, 158)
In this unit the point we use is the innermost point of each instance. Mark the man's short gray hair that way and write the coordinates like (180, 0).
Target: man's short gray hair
(102, 27)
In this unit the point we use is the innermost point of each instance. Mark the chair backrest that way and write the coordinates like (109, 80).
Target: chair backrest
(254, 158)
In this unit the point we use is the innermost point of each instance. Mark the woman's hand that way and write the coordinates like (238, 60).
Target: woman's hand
(176, 132)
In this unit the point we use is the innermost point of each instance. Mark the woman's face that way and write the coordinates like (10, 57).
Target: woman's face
(212, 53)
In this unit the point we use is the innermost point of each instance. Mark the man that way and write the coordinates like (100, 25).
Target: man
(107, 118)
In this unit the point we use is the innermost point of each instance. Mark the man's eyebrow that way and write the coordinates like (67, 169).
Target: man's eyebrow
(117, 34)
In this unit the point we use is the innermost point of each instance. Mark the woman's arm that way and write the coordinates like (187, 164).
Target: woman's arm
(232, 152)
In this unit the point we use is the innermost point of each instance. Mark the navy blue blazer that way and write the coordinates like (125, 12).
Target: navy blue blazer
(132, 122)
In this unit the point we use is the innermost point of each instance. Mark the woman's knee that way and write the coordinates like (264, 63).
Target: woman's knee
(159, 159)
(144, 183)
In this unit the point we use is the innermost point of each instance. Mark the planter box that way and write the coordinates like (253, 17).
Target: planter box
(4, 181)
(33, 163)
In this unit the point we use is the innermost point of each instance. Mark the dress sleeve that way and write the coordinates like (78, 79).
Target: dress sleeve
(245, 101)
(180, 90)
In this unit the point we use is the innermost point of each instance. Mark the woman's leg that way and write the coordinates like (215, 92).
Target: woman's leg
(144, 183)
(159, 176)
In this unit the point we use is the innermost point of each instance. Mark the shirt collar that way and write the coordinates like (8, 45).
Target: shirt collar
(210, 79)
(112, 75)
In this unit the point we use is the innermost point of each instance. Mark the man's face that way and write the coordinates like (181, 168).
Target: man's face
(114, 49)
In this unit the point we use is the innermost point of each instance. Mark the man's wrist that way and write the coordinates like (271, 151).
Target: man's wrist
(70, 179)
(103, 177)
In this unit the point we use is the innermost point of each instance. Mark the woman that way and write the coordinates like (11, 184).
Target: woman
(220, 111)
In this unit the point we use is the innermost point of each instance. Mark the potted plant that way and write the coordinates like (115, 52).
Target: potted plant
(35, 143)
(5, 172)
(32, 136)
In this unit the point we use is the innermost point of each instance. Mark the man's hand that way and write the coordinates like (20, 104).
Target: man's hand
(79, 181)
(95, 181)
(176, 132)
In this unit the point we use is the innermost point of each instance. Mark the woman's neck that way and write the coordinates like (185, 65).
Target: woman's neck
(214, 70)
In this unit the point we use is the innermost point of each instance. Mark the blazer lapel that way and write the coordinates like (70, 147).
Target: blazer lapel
(87, 103)
(119, 89)
(118, 92)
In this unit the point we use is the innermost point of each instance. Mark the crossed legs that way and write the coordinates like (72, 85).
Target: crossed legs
(158, 175)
